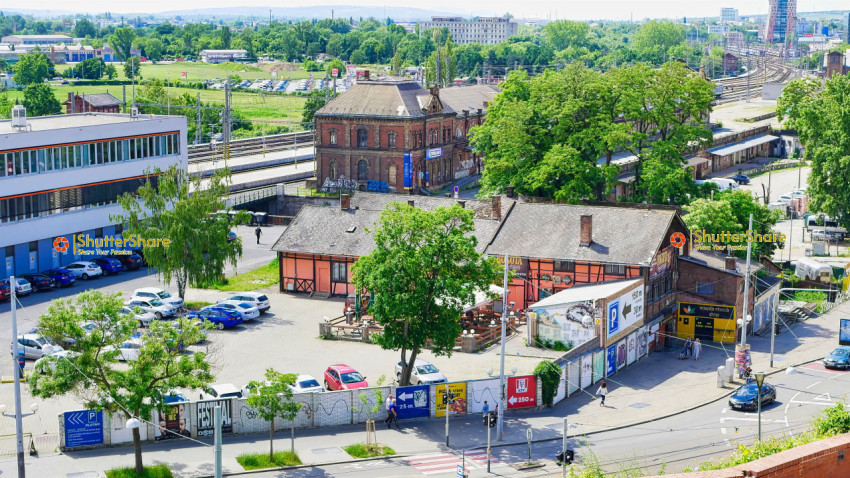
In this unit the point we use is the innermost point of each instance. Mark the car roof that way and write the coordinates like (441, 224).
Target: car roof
(222, 388)
(148, 289)
(300, 378)
(249, 294)
(342, 368)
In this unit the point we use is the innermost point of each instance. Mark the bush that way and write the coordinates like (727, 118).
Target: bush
(549, 375)
(834, 420)
(360, 450)
(257, 461)
(196, 304)
(157, 471)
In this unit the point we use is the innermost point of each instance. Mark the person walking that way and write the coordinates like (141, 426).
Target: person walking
(684, 354)
(258, 232)
(690, 348)
(485, 408)
(387, 404)
(697, 349)
(602, 392)
(393, 417)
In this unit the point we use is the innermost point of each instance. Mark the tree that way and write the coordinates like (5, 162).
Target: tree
(6, 106)
(335, 63)
(273, 399)
(730, 212)
(31, 68)
(655, 38)
(110, 71)
(358, 57)
(133, 68)
(84, 28)
(154, 49)
(423, 271)
(198, 249)
(122, 42)
(135, 388)
(225, 37)
(820, 115)
(313, 104)
(39, 100)
(91, 69)
(567, 33)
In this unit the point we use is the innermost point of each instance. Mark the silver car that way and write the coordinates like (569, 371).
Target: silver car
(156, 307)
(424, 372)
(35, 346)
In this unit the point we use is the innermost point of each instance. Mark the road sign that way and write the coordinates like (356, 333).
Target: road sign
(522, 391)
(413, 402)
(460, 471)
(458, 405)
(457, 189)
(83, 428)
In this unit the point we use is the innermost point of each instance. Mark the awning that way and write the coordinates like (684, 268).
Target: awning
(697, 161)
(740, 146)
(482, 297)
(620, 158)
(626, 178)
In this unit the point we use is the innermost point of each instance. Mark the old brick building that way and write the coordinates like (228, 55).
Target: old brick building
(836, 63)
(394, 131)
(94, 103)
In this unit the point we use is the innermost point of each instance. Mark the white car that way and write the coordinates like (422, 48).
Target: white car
(143, 317)
(154, 306)
(84, 269)
(157, 293)
(306, 384)
(248, 311)
(35, 346)
(50, 360)
(221, 390)
(256, 299)
(785, 199)
(423, 372)
(129, 349)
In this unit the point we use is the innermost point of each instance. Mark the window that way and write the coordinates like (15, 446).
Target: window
(339, 272)
(705, 288)
(362, 138)
(391, 139)
(392, 172)
(362, 170)
(334, 170)
(459, 132)
(614, 269)
(332, 136)
(565, 266)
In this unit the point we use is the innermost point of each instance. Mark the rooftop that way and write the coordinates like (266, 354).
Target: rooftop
(387, 97)
(717, 260)
(470, 98)
(48, 123)
(483, 209)
(586, 292)
(99, 99)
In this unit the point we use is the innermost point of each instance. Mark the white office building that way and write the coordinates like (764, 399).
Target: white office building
(483, 30)
(729, 15)
(718, 29)
(221, 56)
(62, 176)
(41, 40)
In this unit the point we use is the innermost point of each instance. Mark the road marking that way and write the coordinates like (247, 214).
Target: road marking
(821, 399)
(787, 405)
(812, 385)
(811, 403)
(724, 410)
(747, 419)
(723, 430)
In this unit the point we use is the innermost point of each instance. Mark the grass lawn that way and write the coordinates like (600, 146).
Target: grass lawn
(256, 279)
(360, 450)
(157, 471)
(257, 461)
(196, 304)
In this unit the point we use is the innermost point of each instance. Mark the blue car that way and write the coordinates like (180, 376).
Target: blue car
(838, 358)
(174, 396)
(221, 317)
(109, 266)
(61, 277)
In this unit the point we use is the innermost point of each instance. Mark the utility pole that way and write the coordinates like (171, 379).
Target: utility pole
(746, 288)
(564, 450)
(198, 124)
(123, 98)
(19, 427)
(502, 403)
(448, 409)
(133, 71)
(226, 117)
(749, 73)
(217, 432)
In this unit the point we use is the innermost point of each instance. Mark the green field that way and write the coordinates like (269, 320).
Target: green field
(196, 71)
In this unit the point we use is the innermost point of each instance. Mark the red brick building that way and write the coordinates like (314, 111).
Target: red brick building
(377, 127)
(836, 64)
(94, 103)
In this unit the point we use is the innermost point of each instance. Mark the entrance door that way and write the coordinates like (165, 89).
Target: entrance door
(55, 259)
(704, 328)
(323, 270)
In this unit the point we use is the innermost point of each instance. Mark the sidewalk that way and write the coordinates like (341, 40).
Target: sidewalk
(744, 168)
(653, 388)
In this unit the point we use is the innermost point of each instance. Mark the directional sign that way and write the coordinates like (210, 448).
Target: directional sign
(522, 391)
(413, 402)
(460, 471)
(83, 428)
(611, 360)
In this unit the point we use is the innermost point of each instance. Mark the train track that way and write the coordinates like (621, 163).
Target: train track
(246, 147)
(735, 89)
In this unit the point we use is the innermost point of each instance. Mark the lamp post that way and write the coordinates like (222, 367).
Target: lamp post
(742, 323)
(759, 382)
(500, 420)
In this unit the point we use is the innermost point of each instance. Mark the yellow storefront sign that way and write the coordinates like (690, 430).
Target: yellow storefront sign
(714, 322)
(458, 406)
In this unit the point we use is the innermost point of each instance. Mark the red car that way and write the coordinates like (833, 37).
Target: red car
(5, 291)
(343, 377)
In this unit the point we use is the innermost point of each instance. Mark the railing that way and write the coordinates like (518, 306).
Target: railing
(253, 195)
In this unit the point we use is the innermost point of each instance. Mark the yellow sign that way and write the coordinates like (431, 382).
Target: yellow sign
(458, 405)
(713, 321)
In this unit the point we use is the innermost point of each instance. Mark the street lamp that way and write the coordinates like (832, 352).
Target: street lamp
(743, 327)
(759, 382)
(133, 423)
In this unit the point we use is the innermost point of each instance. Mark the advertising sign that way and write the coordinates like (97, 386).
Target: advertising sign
(598, 365)
(516, 264)
(412, 401)
(522, 391)
(173, 423)
(458, 406)
(844, 332)
(206, 417)
(625, 311)
(611, 360)
(334, 72)
(742, 357)
(707, 322)
(83, 428)
(434, 153)
(631, 348)
(643, 340)
(570, 323)
(662, 262)
(586, 371)
(621, 354)
(479, 391)
(408, 170)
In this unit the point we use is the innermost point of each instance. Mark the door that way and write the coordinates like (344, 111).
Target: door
(704, 328)
(55, 260)
(324, 272)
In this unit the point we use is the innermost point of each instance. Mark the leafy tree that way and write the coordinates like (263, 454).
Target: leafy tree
(313, 104)
(84, 28)
(135, 388)
(730, 211)
(358, 57)
(423, 270)
(6, 106)
(154, 49)
(225, 37)
(4, 65)
(273, 399)
(133, 68)
(122, 42)
(712, 217)
(198, 250)
(335, 63)
(110, 71)
(91, 69)
(549, 374)
(31, 68)
(820, 115)
(39, 100)
(655, 38)
(562, 34)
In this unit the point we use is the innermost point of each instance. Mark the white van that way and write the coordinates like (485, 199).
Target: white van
(811, 269)
(724, 184)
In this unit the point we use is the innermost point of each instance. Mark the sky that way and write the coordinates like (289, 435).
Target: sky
(561, 9)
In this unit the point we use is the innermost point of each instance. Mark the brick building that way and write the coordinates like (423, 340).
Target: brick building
(730, 64)
(394, 131)
(836, 63)
(94, 103)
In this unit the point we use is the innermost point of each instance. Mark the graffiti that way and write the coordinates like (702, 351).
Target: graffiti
(251, 414)
(342, 183)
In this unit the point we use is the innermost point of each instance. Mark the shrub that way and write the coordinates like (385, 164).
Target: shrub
(360, 450)
(256, 461)
(157, 471)
(549, 374)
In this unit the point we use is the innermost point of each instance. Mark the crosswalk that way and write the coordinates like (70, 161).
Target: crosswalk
(436, 463)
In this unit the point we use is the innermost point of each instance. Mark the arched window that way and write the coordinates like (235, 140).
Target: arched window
(332, 136)
(362, 170)
(391, 139)
(392, 172)
(459, 132)
(334, 170)
(362, 138)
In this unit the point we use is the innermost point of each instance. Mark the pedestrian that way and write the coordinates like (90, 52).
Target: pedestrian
(258, 232)
(697, 349)
(387, 404)
(684, 354)
(602, 392)
(393, 416)
(485, 408)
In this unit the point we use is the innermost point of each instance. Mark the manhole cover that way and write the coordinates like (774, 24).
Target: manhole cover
(639, 405)
(327, 451)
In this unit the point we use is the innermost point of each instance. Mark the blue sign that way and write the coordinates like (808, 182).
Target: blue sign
(408, 170)
(613, 317)
(83, 428)
(413, 402)
(434, 153)
(611, 360)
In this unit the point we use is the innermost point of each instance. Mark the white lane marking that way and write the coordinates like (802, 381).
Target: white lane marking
(789, 403)
(746, 419)
(723, 430)
(810, 403)
(821, 398)
(812, 385)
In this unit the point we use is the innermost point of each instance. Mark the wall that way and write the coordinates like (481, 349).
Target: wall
(290, 205)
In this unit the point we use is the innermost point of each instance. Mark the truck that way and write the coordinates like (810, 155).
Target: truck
(813, 270)
(824, 226)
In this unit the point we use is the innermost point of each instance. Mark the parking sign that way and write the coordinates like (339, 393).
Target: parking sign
(613, 317)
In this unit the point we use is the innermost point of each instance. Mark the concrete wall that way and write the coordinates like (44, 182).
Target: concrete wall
(290, 205)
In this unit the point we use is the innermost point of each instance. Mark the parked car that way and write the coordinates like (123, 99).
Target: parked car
(22, 286)
(746, 397)
(343, 377)
(838, 358)
(826, 236)
(5, 290)
(61, 277)
(157, 293)
(254, 298)
(109, 266)
(423, 372)
(144, 318)
(174, 396)
(154, 306)
(810, 269)
(130, 262)
(39, 282)
(129, 349)
(34, 346)
(724, 184)
(177, 325)
(741, 179)
(306, 384)
(784, 199)
(219, 316)
(84, 269)
(49, 361)
(246, 310)
(231, 236)
(221, 390)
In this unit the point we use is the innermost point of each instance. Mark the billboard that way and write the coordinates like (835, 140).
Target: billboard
(173, 423)
(844, 332)
(206, 417)
(712, 322)
(522, 392)
(570, 323)
(413, 401)
(458, 407)
(625, 311)
(408, 170)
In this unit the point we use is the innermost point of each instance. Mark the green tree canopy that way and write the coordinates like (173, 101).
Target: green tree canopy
(273, 399)
(562, 34)
(423, 271)
(84, 28)
(122, 42)
(39, 100)
(313, 104)
(133, 68)
(655, 38)
(31, 68)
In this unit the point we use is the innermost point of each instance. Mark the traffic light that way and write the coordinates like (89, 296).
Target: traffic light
(492, 420)
(566, 456)
(486, 420)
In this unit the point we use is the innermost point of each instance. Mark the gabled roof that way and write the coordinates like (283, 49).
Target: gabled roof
(578, 292)
(378, 202)
(99, 100)
(391, 97)
(470, 98)
(717, 261)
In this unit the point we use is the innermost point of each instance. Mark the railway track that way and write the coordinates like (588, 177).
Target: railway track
(246, 147)
(735, 89)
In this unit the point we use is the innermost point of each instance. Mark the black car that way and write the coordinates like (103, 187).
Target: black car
(141, 253)
(741, 179)
(745, 397)
(39, 282)
(130, 262)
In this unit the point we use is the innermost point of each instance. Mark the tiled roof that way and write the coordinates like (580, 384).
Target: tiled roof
(389, 98)
(717, 260)
(100, 100)
(470, 98)
(483, 209)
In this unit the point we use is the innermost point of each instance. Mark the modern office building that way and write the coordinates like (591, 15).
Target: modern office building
(221, 56)
(42, 40)
(62, 175)
(728, 15)
(780, 21)
(483, 30)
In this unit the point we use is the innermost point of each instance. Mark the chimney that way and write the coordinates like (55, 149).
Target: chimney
(462, 204)
(510, 192)
(586, 237)
(410, 203)
(731, 264)
(496, 202)
(344, 202)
